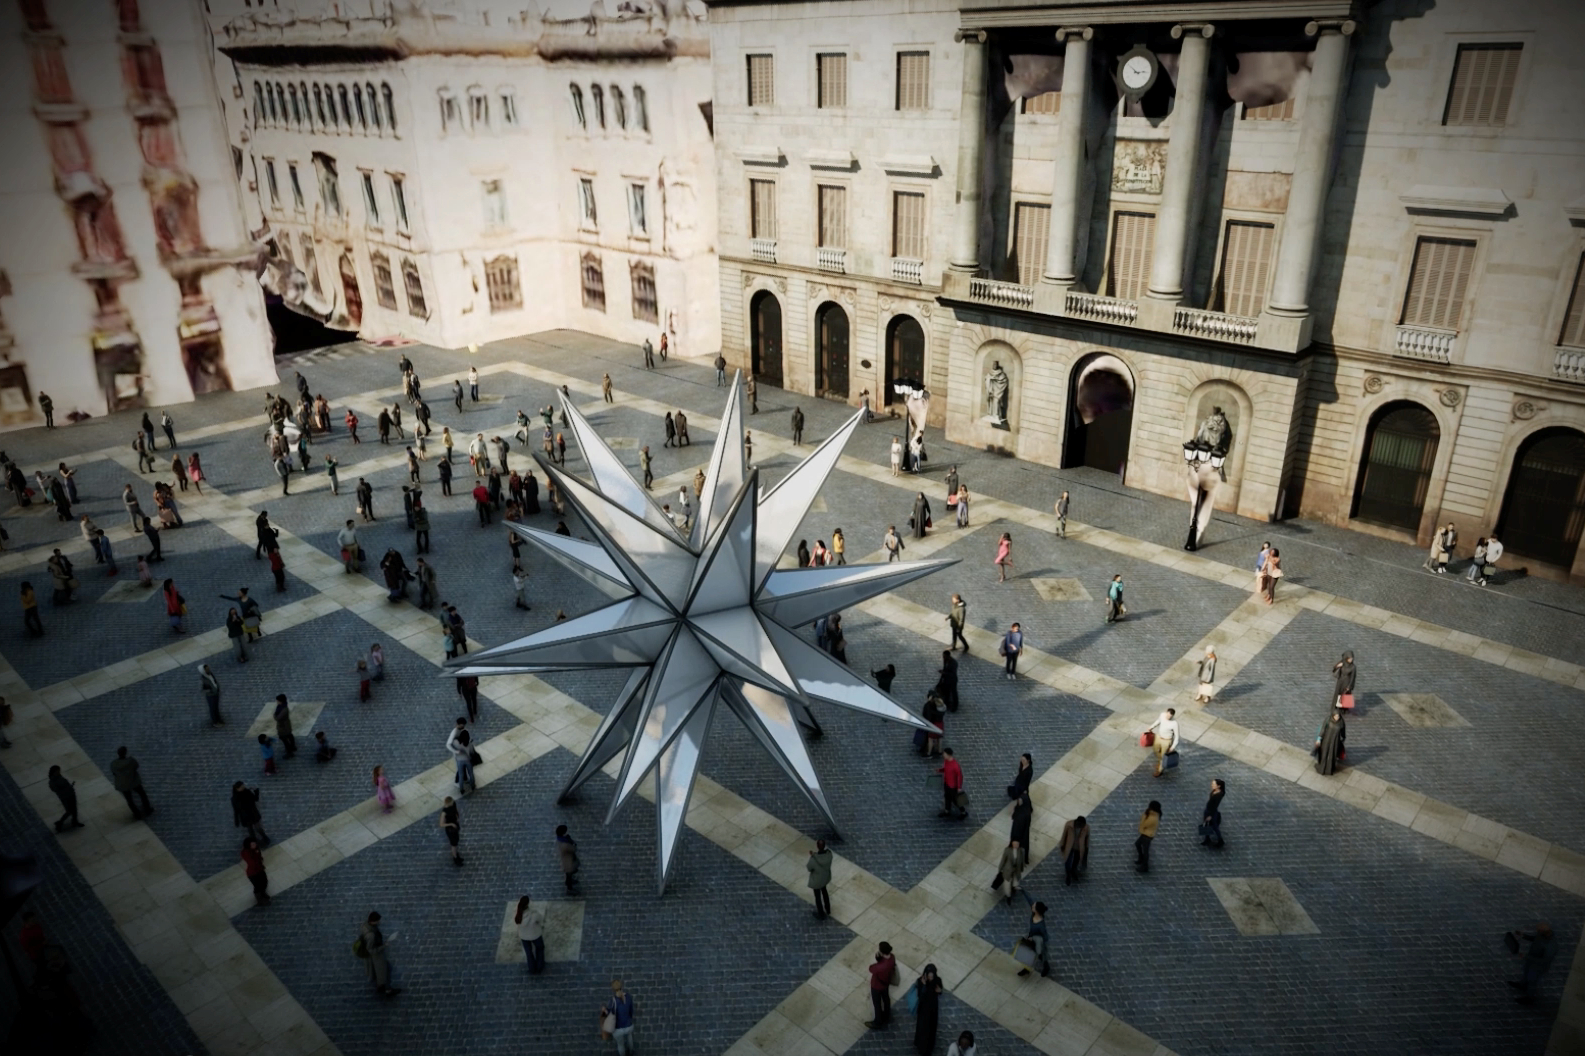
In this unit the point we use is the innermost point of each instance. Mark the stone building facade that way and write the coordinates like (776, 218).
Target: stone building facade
(127, 277)
(472, 172)
(1355, 228)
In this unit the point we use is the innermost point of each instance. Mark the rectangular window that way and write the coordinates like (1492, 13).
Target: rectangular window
(586, 203)
(1044, 103)
(593, 280)
(399, 200)
(1246, 264)
(479, 109)
(1437, 283)
(1031, 233)
(415, 290)
(1128, 270)
(833, 206)
(832, 73)
(236, 160)
(506, 291)
(310, 263)
(761, 80)
(329, 185)
(1282, 111)
(637, 215)
(908, 225)
(509, 109)
(450, 113)
(645, 304)
(641, 108)
(913, 80)
(384, 281)
(269, 179)
(297, 186)
(762, 209)
(494, 204)
(371, 204)
(1574, 321)
(1482, 88)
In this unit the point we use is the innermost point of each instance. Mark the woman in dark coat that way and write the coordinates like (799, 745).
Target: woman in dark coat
(1023, 815)
(929, 1014)
(395, 570)
(1026, 774)
(530, 493)
(1343, 672)
(947, 684)
(921, 515)
(1329, 743)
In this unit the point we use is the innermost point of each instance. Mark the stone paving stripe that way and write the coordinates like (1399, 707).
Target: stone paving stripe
(1425, 711)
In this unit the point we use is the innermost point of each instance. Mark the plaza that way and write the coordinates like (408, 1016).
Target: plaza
(1361, 912)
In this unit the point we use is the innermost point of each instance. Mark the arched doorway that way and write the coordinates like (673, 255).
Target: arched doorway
(1544, 510)
(349, 286)
(831, 351)
(1100, 414)
(1400, 449)
(765, 339)
(905, 356)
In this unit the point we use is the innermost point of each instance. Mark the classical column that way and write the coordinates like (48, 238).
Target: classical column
(971, 149)
(1290, 290)
(1062, 249)
(1183, 162)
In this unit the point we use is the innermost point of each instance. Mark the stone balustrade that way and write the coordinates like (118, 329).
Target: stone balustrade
(906, 269)
(1423, 342)
(1100, 309)
(1569, 364)
(763, 250)
(1006, 294)
(1218, 325)
(828, 258)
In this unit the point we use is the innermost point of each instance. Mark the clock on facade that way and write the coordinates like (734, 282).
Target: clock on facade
(1136, 71)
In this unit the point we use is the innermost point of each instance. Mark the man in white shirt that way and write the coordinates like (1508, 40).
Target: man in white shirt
(1166, 731)
(347, 539)
(1493, 552)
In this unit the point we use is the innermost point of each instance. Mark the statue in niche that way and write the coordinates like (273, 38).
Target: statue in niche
(997, 386)
(1205, 456)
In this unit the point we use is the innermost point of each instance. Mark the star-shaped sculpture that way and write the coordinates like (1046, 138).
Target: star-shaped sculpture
(703, 619)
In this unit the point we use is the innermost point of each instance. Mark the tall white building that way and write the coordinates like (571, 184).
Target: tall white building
(127, 277)
(467, 172)
(1356, 228)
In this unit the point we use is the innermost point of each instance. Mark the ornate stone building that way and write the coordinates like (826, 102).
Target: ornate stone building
(460, 173)
(1355, 227)
(127, 278)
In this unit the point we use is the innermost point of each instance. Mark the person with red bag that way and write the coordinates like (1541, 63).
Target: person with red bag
(1343, 672)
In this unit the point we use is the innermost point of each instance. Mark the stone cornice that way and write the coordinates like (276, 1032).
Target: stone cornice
(998, 14)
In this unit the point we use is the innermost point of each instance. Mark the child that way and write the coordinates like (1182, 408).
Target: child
(377, 662)
(382, 791)
(451, 645)
(324, 753)
(267, 750)
(278, 566)
(364, 692)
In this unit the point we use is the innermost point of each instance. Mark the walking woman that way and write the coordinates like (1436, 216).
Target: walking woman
(963, 507)
(253, 866)
(1148, 824)
(175, 606)
(531, 932)
(1328, 750)
(1114, 599)
(373, 943)
(195, 472)
(1207, 675)
(897, 454)
(928, 1015)
(921, 518)
(1343, 673)
(1269, 574)
(1004, 556)
(1211, 817)
(451, 825)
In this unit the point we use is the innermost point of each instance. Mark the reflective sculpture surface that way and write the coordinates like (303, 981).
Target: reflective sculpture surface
(702, 617)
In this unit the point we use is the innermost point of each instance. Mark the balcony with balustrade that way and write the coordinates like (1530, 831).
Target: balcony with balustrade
(829, 258)
(1568, 364)
(763, 250)
(1424, 342)
(906, 269)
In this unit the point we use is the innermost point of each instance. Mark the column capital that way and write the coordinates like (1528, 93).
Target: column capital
(1204, 29)
(1067, 33)
(1345, 26)
(970, 36)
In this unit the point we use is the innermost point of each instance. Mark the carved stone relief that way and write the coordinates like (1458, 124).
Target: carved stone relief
(1138, 165)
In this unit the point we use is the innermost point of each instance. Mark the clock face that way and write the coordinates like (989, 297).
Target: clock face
(1136, 72)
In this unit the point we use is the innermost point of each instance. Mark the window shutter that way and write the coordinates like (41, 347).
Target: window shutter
(1044, 103)
(1031, 234)
(1133, 235)
(1246, 264)
(1282, 111)
(913, 80)
(1482, 87)
(834, 217)
(762, 209)
(1574, 321)
(833, 81)
(908, 225)
(761, 80)
(1437, 283)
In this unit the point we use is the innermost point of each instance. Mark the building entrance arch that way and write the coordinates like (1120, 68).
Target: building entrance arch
(831, 351)
(765, 337)
(905, 357)
(1395, 474)
(1543, 511)
(1100, 413)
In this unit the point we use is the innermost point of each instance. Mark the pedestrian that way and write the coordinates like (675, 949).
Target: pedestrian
(720, 370)
(605, 387)
(253, 867)
(141, 446)
(1114, 599)
(616, 1015)
(1537, 960)
(278, 569)
(897, 455)
(420, 527)
(351, 552)
(1164, 735)
(365, 692)
(649, 355)
(323, 752)
(473, 384)
(953, 798)
(1004, 556)
(451, 825)
(302, 449)
(839, 547)
(124, 775)
(819, 868)
(1207, 675)
(531, 931)
(1329, 748)
(460, 743)
(893, 544)
(935, 713)
(1010, 871)
(195, 472)
(956, 619)
(245, 811)
(66, 792)
(916, 453)
(396, 421)
(1442, 549)
(209, 684)
(252, 615)
(481, 503)
(567, 854)
(377, 662)
(797, 426)
(445, 476)
(1075, 849)
(151, 532)
(1211, 816)
(1012, 645)
(1062, 515)
(134, 511)
(1038, 939)
(883, 973)
(753, 395)
(30, 611)
(283, 725)
(963, 506)
(468, 690)
(457, 628)
(265, 534)
(175, 607)
(927, 1016)
(519, 584)
(804, 557)
(62, 578)
(883, 678)
(748, 447)
(1343, 675)
(425, 573)
(964, 1046)
(383, 424)
(1493, 554)
(921, 522)
(47, 408)
(235, 633)
(371, 943)
(267, 753)
(645, 461)
(1149, 822)
(1477, 562)
(102, 542)
(947, 680)
(671, 431)
(456, 393)
(837, 643)
(952, 486)
(1272, 573)
(365, 494)
(382, 791)
(664, 343)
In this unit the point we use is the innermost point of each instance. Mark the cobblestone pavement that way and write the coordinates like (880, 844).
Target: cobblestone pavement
(1407, 956)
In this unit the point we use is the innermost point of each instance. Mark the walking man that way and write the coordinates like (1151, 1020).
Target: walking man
(1166, 730)
(951, 786)
(169, 426)
(753, 395)
(1012, 645)
(451, 825)
(819, 866)
(605, 387)
(620, 1008)
(365, 493)
(371, 948)
(124, 773)
(882, 971)
(956, 620)
(567, 852)
(1537, 959)
(646, 461)
(66, 792)
(47, 406)
(473, 384)
(649, 355)
(1114, 599)
(798, 426)
(720, 370)
(134, 511)
(210, 684)
(893, 544)
(1062, 515)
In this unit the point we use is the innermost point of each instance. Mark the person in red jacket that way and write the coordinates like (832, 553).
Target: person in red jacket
(253, 866)
(951, 784)
(481, 501)
(882, 970)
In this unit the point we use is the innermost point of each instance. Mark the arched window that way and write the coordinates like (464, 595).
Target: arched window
(1400, 452)
(330, 105)
(1543, 513)
(619, 106)
(577, 106)
(302, 93)
(280, 95)
(319, 106)
(374, 104)
(598, 95)
(297, 114)
(346, 106)
(357, 99)
(390, 106)
(275, 116)
(258, 103)
(593, 276)
(640, 108)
